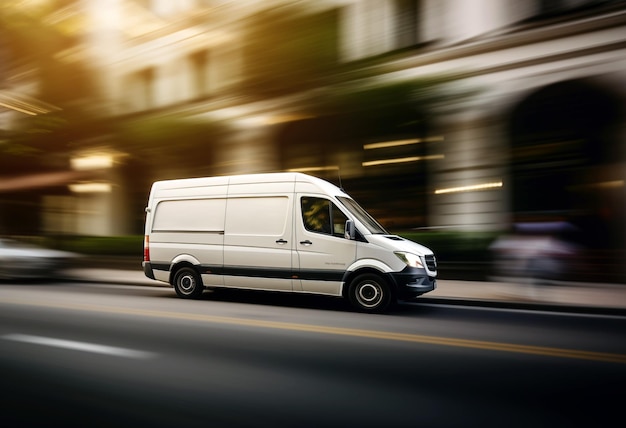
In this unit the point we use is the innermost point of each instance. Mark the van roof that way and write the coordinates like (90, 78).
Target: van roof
(273, 177)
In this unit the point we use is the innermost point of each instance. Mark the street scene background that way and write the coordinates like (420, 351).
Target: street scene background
(491, 131)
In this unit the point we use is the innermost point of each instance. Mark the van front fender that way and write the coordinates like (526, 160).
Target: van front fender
(370, 264)
(362, 266)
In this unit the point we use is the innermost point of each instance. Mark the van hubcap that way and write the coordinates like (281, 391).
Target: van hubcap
(369, 294)
(187, 283)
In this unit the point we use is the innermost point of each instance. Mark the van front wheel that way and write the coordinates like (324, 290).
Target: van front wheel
(370, 293)
(188, 283)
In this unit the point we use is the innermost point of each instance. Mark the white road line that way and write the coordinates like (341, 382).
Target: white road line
(79, 346)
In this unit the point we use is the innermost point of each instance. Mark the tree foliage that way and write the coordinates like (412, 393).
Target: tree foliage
(289, 49)
(35, 42)
(36, 46)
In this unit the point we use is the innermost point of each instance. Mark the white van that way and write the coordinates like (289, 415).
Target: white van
(283, 232)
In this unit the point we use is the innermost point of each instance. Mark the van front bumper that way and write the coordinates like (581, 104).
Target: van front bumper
(413, 282)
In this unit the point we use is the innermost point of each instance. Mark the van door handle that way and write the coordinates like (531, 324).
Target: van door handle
(281, 241)
(307, 242)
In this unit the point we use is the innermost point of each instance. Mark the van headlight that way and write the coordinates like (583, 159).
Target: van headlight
(410, 259)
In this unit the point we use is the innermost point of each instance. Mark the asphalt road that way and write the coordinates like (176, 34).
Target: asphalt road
(76, 354)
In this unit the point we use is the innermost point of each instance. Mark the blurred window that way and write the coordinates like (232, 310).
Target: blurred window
(322, 216)
(407, 21)
(316, 214)
(199, 73)
(140, 87)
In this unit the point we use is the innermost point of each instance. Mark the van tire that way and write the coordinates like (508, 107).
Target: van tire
(187, 283)
(370, 293)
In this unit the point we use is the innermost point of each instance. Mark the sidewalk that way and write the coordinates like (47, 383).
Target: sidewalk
(608, 297)
(583, 296)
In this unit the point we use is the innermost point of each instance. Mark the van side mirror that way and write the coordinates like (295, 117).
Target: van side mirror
(350, 230)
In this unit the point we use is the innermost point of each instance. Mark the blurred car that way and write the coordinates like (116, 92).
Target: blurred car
(20, 260)
(541, 252)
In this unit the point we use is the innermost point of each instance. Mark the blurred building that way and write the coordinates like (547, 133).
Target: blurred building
(529, 124)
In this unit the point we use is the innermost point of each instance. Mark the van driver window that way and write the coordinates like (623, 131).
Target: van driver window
(321, 216)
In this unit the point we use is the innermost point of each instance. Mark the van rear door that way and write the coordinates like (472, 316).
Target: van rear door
(188, 230)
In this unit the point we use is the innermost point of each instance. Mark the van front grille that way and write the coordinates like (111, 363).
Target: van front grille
(431, 262)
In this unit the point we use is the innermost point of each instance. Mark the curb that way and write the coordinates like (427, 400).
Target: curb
(529, 306)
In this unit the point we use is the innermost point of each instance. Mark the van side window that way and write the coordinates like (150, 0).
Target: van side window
(322, 216)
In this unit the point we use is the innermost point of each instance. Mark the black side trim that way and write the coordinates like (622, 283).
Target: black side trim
(256, 272)
(283, 273)
(260, 272)
(321, 275)
(161, 266)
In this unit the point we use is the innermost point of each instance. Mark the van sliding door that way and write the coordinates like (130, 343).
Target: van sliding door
(258, 242)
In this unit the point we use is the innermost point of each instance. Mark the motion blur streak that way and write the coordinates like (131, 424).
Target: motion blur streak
(400, 337)
(78, 346)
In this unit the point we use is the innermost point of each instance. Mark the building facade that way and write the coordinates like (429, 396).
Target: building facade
(541, 137)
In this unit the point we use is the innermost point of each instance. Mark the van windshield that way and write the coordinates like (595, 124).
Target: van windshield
(360, 214)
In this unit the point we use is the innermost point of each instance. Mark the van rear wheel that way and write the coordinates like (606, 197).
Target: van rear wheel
(188, 283)
(370, 293)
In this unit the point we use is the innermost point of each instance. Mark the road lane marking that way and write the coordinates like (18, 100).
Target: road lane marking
(78, 346)
(340, 331)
